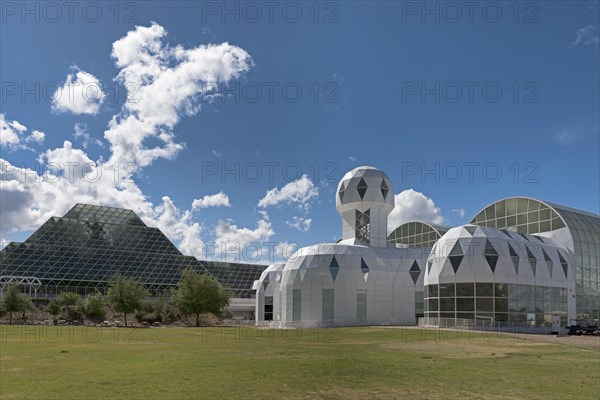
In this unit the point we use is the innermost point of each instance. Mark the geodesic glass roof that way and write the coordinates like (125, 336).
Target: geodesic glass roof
(84, 249)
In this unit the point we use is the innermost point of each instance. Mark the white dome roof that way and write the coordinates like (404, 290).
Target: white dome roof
(365, 185)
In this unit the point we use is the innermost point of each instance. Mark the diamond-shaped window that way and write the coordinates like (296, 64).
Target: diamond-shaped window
(384, 189)
(334, 268)
(456, 255)
(415, 272)
(491, 255)
(361, 188)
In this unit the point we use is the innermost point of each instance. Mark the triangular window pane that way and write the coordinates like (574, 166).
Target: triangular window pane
(492, 260)
(455, 261)
(456, 255)
(491, 255)
(456, 250)
(489, 250)
(415, 267)
(563, 263)
(514, 257)
(471, 229)
(532, 259)
(363, 266)
(546, 256)
(512, 251)
(361, 188)
(384, 189)
(548, 262)
(342, 191)
(515, 261)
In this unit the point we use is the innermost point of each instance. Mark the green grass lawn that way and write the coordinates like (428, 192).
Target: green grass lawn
(347, 363)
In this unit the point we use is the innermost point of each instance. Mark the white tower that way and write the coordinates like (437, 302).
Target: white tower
(365, 197)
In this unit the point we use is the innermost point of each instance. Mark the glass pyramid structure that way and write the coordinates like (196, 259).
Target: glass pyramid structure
(81, 251)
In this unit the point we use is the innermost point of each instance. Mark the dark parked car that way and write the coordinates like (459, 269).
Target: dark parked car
(575, 330)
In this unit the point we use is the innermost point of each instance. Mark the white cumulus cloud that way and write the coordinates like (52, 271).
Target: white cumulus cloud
(164, 83)
(459, 211)
(300, 223)
(300, 192)
(413, 206)
(216, 200)
(170, 82)
(81, 133)
(231, 240)
(80, 94)
(13, 135)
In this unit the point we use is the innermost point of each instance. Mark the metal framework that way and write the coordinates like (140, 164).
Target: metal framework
(81, 251)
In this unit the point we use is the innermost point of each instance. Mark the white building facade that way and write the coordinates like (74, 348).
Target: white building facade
(499, 278)
(361, 280)
(519, 263)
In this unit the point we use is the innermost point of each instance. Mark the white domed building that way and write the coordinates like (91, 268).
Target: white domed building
(362, 279)
(519, 263)
(499, 278)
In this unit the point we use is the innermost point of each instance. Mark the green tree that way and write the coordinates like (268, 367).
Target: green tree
(125, 294)
(197, 294)
(14, 300)
(70, 305)
(53, 308)
(94, 307)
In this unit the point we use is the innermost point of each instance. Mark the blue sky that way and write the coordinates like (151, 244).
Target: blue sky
(316, 89)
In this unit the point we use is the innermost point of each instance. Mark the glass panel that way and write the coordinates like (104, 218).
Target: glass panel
(513, 305)
(484, 304)
(464, 289)
(296, 304)
(501, 305)
(500, 209)
(526, 305)
(361, 306)
(539, 292)
(532, 216)
(433, 304)
(522, 205)
(447, 304)
(433, 290)
(465, 304)
(501, 289)
(501, 317)
(539, 306)
(511, 206)
(511, 221)
(545, 226)
(484, 289)
(555, 294)
(446, 289)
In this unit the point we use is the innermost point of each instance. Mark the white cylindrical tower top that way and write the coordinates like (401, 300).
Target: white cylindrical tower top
(364, 198)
